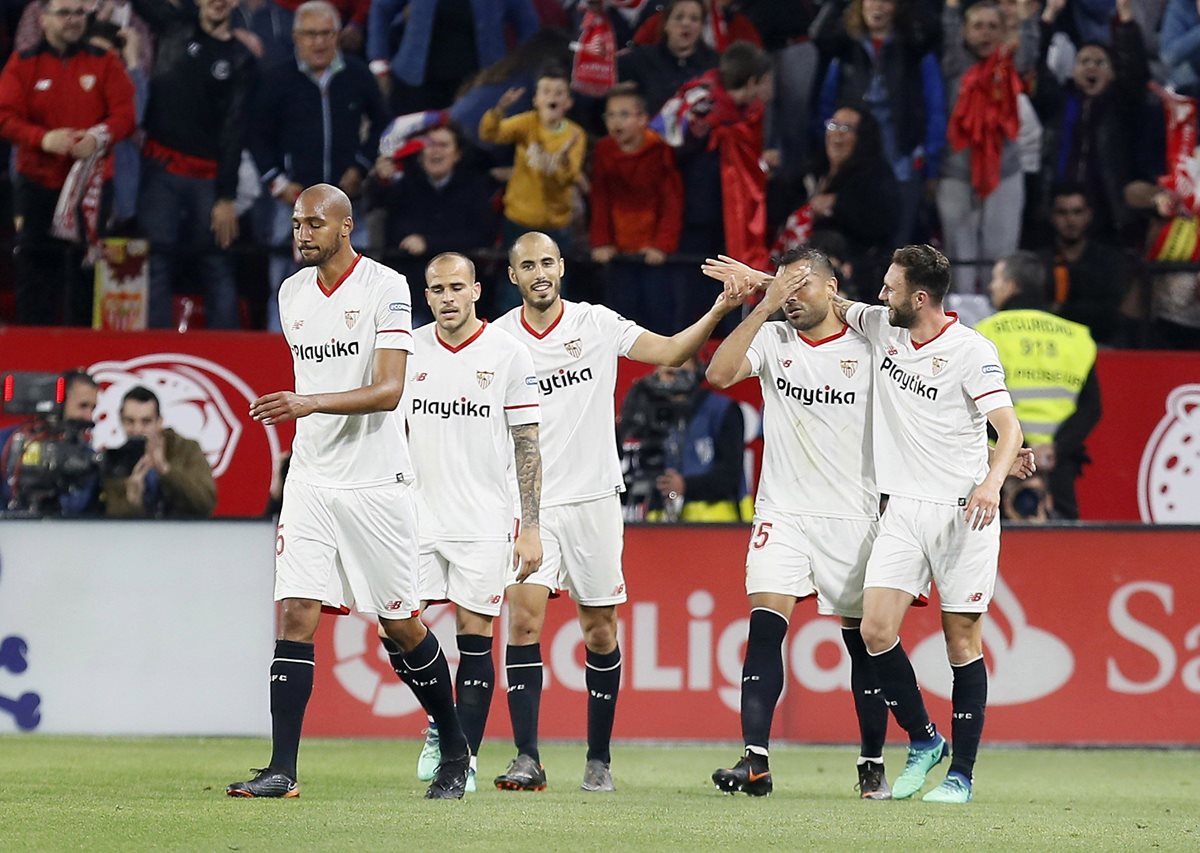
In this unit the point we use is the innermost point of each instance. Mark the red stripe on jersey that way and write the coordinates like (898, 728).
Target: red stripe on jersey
(996, 391)
(539, 335)
(953, 319)
(465, 343)
(401, 331)
(522, 406)
(845, 328)
(328, 291)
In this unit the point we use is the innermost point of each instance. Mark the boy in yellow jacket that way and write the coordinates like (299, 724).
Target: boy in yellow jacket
(548, 161)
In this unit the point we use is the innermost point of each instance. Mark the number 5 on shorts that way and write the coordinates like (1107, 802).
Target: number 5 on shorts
(760, 535)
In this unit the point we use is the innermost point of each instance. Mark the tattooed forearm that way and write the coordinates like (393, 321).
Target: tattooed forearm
(529, 471)
(840, 306)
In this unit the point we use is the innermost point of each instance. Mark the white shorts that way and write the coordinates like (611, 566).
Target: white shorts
(581, 551)
(349, 547)
(470, 574)
(805, 555)
(919, 541)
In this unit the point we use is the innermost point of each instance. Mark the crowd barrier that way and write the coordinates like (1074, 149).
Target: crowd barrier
(1145, 451)
(165, 628)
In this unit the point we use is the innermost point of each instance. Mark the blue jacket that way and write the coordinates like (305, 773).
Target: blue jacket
(1179, 45)
(416, 17)
(309, 136)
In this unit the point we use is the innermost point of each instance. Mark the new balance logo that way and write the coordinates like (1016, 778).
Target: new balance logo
(393, 605)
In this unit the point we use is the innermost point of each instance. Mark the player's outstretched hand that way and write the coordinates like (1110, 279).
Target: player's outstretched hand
(527, 553)
(1025, 465)
(982, 507)
(281, 406)
(723, 267)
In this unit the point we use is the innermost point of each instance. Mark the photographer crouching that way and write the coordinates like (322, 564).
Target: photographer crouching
(157, 473)
(682, 450)
(47, 464)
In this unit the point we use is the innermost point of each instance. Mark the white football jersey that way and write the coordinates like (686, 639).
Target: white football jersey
(816, 423)
(459, 403)
(931, 406)
(576, 364)
(333, 333)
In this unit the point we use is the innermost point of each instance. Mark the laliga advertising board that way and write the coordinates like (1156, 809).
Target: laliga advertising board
(1093, 637)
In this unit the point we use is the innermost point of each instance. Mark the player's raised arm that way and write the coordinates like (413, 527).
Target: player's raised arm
(653, 348)
(724, 268)
(729, 363)
(382, 395)
(984, 503)
(527, 550)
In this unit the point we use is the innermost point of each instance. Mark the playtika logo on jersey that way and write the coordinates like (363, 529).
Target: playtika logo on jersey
(563, 379)
(331, 349)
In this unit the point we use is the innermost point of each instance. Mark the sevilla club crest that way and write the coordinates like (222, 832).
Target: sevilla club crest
(938, 364)
(849, 366)
(575, 347)
(351, 318)
(484, 377)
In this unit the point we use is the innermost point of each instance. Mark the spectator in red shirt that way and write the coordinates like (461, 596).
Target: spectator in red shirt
(637, 209)
(62, 104)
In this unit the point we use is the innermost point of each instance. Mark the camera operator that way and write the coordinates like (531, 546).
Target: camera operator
(158, 473)
(682, 448)
(1027, 500)
(74, 426)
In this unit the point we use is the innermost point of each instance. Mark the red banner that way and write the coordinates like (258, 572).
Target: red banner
(1145, 451)
(1099, 643)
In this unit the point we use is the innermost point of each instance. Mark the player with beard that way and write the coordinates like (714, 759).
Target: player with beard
(347, 531)
(816, 509)
(938, 386)
(471, 403)
(575, 347)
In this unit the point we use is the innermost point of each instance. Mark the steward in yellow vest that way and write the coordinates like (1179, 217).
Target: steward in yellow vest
(1049, 366)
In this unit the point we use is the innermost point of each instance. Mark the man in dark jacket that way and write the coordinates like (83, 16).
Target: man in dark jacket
(307, 127)
(194, 124)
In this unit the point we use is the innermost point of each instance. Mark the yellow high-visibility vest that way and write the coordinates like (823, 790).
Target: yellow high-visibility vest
(1046, 360)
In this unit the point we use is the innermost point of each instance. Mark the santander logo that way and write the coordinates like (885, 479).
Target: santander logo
(1169, 474)
(1024, 663)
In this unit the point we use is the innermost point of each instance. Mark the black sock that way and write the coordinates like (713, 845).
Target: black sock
(396, 657)
(968, 699)
(474, 683)
(603, 678)
(762, 675)
(868, 698)
(429, 678)
(291, 685)
(523, 667)
(899, 683)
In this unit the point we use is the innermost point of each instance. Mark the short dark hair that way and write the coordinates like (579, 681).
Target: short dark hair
(625, 90)
(552, 71)
(742, 62)
(458, 256)
(140, 394)
(815, 257)
(77, 375)
(1028, 272)
(455, 130)
(670, 7)
(925, 268)
(1062, 188)
(832, 244)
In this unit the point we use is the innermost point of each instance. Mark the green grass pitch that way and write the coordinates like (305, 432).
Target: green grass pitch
(59, 793)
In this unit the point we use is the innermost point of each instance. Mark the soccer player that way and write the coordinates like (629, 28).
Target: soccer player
(938, 386)
(575, 348)
(816, 509)
(348, 520)
(471, 402)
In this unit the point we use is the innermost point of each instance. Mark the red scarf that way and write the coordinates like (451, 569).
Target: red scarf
(985, 116)
(594, 69)
(81, 194)
(737, 134)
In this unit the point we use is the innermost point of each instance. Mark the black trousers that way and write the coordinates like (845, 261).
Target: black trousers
(51, 285)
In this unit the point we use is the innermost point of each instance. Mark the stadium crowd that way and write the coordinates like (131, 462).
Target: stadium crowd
(641, 136)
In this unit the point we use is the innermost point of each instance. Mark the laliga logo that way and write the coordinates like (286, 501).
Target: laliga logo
(193, 393)
(363, 668)
(1169, 476)
(1030, 664)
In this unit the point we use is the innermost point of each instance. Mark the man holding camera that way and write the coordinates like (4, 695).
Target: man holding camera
(682, 449)
(158, 473)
